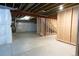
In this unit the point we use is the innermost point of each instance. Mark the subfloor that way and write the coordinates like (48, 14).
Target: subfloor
(31, 44)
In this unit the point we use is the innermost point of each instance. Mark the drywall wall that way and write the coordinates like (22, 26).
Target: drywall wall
(26, 27)
(5, 26)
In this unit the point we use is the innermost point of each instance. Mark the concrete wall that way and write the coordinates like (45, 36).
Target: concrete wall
(26, 27)
(5, 26)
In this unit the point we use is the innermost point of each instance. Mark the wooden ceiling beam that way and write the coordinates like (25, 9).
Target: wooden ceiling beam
(48, 7)
(34, 7)
(18, 12)
(51, 6)
(65, 6)
(40, 7)
(20, 6)
(28, 6)
(52, 9)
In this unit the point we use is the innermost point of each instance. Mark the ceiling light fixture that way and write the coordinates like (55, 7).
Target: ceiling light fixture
(25, 18)
(61, 7)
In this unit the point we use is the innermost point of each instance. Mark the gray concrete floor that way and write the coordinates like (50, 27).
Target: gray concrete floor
(31, 44)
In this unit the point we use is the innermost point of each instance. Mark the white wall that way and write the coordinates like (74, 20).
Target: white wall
(5, 26)
(25, 27)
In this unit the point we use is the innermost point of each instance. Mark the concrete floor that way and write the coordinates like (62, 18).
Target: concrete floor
(31, 44)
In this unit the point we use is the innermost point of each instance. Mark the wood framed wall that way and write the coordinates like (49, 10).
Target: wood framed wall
(42, 33)
(53, 25)
(38, 25)
(41, 26)
(46, 26)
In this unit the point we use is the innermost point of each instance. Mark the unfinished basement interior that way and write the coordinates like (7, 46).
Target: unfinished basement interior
(39, 29)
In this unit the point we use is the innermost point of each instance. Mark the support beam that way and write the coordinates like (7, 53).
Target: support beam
(18, 12)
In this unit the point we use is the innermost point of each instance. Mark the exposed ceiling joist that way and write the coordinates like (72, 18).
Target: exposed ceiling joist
(56, 10)
(43, 9)
(34, 7)
(54, 7)
(21, 6)
(51, 6)
(40, 7)
(48, 7)
(28, 6)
